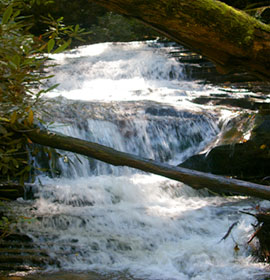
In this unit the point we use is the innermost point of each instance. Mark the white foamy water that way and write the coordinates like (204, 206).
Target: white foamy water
(124, 71)
(151, 227)
(96, 217)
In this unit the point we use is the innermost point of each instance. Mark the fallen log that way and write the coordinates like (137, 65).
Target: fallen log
(194, 179)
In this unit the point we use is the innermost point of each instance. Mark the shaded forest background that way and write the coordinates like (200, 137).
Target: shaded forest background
(106, 26)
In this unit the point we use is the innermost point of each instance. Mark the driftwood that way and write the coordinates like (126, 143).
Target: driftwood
(194, 179)
(262, 232)
(227, 36)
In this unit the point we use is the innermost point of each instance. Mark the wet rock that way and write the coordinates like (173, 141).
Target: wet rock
(245, 161)
(244, 103)
(19, 253)
(196, 67)
(156, 111)
(263, 130)
(24, 239)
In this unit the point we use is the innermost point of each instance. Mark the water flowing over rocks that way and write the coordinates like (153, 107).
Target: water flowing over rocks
(122, 224)
(239, 158)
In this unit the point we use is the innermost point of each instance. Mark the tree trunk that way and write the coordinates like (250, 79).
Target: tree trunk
(195, 179)
(230, 38)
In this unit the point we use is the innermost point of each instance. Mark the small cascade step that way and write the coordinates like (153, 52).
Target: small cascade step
(15, 244)
(197, 66)
(19, 253)
(25, 259)
(7, 267)
(22, 251)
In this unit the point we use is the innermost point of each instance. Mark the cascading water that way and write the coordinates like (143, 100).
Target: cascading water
(97, 217)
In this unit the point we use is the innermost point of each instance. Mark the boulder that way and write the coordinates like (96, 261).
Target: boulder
(249, 160)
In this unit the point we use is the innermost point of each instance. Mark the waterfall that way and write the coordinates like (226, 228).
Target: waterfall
(148, 129)
(96, 217)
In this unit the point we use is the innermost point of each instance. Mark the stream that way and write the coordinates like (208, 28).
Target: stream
(120, 223)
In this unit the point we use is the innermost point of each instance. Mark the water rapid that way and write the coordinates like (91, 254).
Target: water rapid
(96, 217)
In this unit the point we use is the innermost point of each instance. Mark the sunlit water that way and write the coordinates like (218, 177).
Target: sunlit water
(96, 217)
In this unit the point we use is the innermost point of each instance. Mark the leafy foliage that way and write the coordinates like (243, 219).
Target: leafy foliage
(22, 67)
(9, 221)
(105, 26)
(23, 59)
(80, 12)
(5, 227)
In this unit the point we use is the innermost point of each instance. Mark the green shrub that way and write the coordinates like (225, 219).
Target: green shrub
(22, 64)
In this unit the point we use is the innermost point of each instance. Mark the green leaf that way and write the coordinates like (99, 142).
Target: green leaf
(12, 64)
(51, 44)
(13, 117)
(4, 119)
(7, 14)
(16, 60)
(15, 163)
(30, 117)
(51, 88)
(62, 47)
(11, 151)
(16, 14)
(3, 130)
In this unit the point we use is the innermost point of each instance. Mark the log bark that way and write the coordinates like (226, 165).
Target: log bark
(193, 178)
(229, 37)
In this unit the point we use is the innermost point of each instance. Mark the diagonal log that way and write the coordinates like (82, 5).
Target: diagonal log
(194, 179)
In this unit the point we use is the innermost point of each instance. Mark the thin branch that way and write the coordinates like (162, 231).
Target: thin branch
(229, 231)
